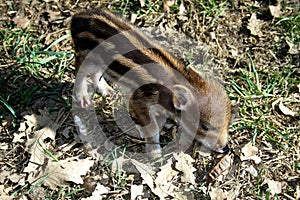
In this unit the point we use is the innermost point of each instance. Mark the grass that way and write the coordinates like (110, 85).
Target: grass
(25, 54)
(211, 9)
(256, 90)
(291, 26)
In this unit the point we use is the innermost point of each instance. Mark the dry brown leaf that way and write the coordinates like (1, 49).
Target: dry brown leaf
(217, 194)
(33, 145)
(252, 171)
(21, 22)
(249, 152)
(285, 110)
(3, 146)
(98, 193)
(182, 196)
(221, 168)
(297, 193)
(36, 145)
(147, 174)
(185, 165)
(135, 191)
(276, 102)
(15, 177)
(275, 10)
(255, 25)
(274, 186)
(163, 186)
(5, 191)
(57, 173)
(4, 194)
(181, 9)
(163, 182)
(142, 2)
(133, 18)
(33, 122)
(293, 48)
(29, 124)
(3, 175)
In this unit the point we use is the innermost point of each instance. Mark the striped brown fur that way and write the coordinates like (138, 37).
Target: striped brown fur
(169, 83)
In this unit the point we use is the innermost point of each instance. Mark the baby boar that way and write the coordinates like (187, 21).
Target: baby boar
(110, 49)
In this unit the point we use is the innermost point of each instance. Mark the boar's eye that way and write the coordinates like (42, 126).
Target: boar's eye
(204, 127)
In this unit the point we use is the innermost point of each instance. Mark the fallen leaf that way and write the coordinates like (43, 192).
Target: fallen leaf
(276, 10)
(147, 173)
(217, 194)
(221, 168)
(57, 173)
(3, 175)
(181, 9)
(293, 48)
(249, 152)
(285, 110)
(297, 193)
(36, 147)
(163, 182)
(29, 123)
(43, 127)
(3, 146)
(274, 186)
(142, 2)
(185, 165)
(4, 194)
(234, 52)
(133, 18)
(252, 171)
(40, 128)
(255, 25)
(166, 183)
(15, 177)
(21, 22)
(98, 193)
(135, 191)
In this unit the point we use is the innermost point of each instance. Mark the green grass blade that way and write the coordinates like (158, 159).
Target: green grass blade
(5, 103)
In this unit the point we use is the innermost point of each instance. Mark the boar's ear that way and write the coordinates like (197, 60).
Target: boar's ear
(182, 97)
